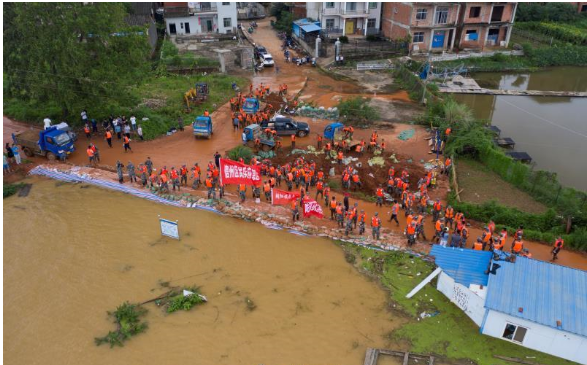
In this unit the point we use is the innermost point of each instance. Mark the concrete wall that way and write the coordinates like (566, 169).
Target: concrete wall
(538, 337)
(313, 10)
(462, 297)
(197, 22)
(453, 11)
(395, 19)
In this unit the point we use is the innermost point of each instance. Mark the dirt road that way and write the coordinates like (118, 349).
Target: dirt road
(182, 148)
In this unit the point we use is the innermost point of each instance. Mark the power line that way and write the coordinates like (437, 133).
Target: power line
(544, 119)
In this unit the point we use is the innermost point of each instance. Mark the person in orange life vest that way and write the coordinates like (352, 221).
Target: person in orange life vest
(153, 178)
(486, 238)
(394, 211)
(449, 215)
(174, 178)
(87, 131)
(356, 181)
(420, 227)
(319, 189)
(478, 245)
(447, 165)
(499, 243)
(307, 180)
(295, 210)
(491, 226)
(108, 136)
(436, 209)
(96, 152)
(90, 153)
(333, 205)
(382, 146)
(302, 195)
(519, 233)
(517, 246)
(328, 148)
(339, 157)
(163, 178)
(558, 246)
(526, 253)
(464, 236)
(340, 215)
(375, 226)
(346, 180)
(267, 190)
(183, 173)
(319, 144)
(206, 113)
(447, 133)
(423, 203)
(242, 190)
(411, 233)
(126, 141)
(438, 228)
(196, 172)
(379, 194)
(348, 223)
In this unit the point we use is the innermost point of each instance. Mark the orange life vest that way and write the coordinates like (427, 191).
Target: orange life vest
(375, 222)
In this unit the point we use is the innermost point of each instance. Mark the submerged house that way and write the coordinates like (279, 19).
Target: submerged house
(535, 304)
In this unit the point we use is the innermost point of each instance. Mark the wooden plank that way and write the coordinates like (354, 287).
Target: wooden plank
(391, 352)
(371, 356)
(516, 360)
(406, 358)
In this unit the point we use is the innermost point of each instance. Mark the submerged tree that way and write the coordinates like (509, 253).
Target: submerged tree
(71, 54)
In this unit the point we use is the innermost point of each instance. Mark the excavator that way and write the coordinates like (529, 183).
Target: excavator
(195, 95)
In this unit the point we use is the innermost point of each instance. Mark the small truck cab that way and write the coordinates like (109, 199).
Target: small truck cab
(251, 105)
(52, 143)
(254, 132)
(203, 127)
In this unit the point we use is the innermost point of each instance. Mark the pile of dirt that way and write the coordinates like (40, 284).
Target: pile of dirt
(371, 176)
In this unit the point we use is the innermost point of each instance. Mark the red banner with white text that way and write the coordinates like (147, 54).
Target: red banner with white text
(282, 197)
(233, 172)
(311, 207)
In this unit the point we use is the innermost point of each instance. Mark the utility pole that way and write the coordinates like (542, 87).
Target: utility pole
(423, 101)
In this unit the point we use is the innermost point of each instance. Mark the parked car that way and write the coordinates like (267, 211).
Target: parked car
(287, 126)
(259, 50)
(267, 60)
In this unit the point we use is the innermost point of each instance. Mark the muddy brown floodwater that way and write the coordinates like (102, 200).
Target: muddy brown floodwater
(79, 252)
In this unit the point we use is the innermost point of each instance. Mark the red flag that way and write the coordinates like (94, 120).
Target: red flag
(311, 207)
(232, 172)
(282, 197)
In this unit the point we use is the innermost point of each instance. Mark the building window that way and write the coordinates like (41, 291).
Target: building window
(351, 6)
(225, 3)
(329, 23)
(421, 14)
(418, 37)
(371, 23)
(441, 15)
(372, 5)
(497, 13)
(329, 5)
(583, 8)
(514, 333)
(471, 35)
(474, 12)
(227, 22)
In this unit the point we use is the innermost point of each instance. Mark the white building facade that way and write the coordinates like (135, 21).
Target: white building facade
(347, 18)
(201, 18)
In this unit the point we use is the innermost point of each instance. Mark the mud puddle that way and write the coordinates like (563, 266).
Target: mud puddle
(80, 252)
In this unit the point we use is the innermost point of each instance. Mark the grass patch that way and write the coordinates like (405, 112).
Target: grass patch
(481, 185)
(127, 318)
(450, 333)
(11, 189)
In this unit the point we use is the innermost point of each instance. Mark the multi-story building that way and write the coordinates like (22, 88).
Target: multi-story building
(436, 27)
(347, 18)
(486, 25)
(198, 18)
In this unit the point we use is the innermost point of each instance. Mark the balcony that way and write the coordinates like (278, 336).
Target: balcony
(204, 8)
(342, 10)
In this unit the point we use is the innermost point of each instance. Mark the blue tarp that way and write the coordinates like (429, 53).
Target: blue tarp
(310, 28)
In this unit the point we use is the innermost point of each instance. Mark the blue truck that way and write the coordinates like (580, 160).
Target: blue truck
(203, 127)
(251, 105)
(52, 143)
(253, 132)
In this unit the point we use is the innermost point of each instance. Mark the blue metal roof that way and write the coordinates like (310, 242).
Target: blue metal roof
(310, 28)
(546, 292)
(465, 266)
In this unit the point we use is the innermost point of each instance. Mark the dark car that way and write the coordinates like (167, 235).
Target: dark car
(286, 127)
(260, 50)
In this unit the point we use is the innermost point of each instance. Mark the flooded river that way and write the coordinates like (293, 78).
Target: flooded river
(552, 130)
(71, 253)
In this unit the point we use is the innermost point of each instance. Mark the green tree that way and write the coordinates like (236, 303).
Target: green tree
(357, 111)
(76, 55)
(556, 12)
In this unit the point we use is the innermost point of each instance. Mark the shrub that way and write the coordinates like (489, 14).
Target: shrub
(243, 152)
(11, 189)
(343, 39)
(128, 320)
(357, 111)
